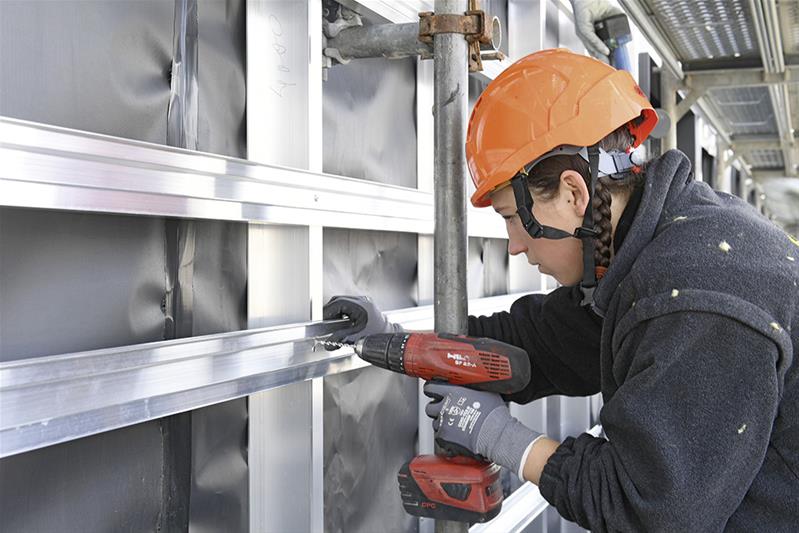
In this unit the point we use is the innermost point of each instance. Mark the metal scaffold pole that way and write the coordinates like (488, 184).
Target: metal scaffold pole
(392, 41)
(451, 93)
(451, 89)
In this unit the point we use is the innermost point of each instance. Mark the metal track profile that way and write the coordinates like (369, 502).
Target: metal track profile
(519, 510)
(53, 399)
(56, 168)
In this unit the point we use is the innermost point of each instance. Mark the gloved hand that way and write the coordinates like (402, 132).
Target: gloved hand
(478, 424)
(586, 12)
(365, 316)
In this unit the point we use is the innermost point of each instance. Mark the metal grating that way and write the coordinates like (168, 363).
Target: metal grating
(766, 158)
(746, 110)
(706, 29)
(789, 22)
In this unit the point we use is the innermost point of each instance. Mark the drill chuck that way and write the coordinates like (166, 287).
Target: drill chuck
(385, 350)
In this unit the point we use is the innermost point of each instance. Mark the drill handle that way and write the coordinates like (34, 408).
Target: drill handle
(450, 450)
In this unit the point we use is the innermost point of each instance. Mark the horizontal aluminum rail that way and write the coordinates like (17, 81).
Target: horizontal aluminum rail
(53, 399)
(518, 512)
(47, 400)
(56, 168)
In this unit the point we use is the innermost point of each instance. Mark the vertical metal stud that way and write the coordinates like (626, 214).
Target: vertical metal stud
(315, 259)
(526, 26)
(668, 100)
(721, 180)
(284, 87)
(318, 456)
(316, 274)
(424, 173)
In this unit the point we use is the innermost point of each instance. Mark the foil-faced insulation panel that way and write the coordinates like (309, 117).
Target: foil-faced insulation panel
(370, 415)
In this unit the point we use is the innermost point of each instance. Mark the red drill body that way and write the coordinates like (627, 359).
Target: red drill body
(450, 488)
(483, 364)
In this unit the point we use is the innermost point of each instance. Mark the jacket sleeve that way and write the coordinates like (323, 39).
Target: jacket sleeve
(688, 428)
(560, 336)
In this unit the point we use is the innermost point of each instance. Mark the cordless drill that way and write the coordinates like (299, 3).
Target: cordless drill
(456, 488)
(615, 32)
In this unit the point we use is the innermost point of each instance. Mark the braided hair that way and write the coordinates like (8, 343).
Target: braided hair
(544, 180)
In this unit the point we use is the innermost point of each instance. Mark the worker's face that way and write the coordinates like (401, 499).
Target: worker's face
(562, 259)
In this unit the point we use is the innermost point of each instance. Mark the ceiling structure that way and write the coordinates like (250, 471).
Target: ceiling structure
(741, 57)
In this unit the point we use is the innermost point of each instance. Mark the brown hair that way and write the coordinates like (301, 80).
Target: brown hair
(544, 179)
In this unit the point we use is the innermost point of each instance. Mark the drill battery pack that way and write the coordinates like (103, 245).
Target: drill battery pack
(451, 488)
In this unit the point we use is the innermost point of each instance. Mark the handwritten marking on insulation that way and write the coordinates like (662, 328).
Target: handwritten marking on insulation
(741, 429)
(279, 86)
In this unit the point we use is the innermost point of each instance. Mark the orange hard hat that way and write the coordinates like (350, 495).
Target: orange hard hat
(548, 99)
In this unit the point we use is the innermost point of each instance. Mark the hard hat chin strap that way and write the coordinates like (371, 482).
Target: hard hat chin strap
(586, 232)
(524, 208)
(536, 230)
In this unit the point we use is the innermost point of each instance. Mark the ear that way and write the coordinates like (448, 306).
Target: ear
(574, 190)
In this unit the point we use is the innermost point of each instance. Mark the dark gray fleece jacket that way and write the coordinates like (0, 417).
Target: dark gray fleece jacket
(696, 359)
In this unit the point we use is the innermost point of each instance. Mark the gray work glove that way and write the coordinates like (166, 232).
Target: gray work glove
(366, 319)
(478, 424)
(586, 13)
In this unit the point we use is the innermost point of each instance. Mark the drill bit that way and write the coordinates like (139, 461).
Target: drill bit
(324, 342)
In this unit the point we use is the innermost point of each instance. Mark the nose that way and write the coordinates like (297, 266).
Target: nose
(516, 245)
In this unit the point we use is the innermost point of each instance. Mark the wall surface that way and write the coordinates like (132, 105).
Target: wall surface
(106, 67)
(76, 281)
(370, 415)
(309, 456)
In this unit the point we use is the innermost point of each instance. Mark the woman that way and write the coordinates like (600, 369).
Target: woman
(679, 304)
